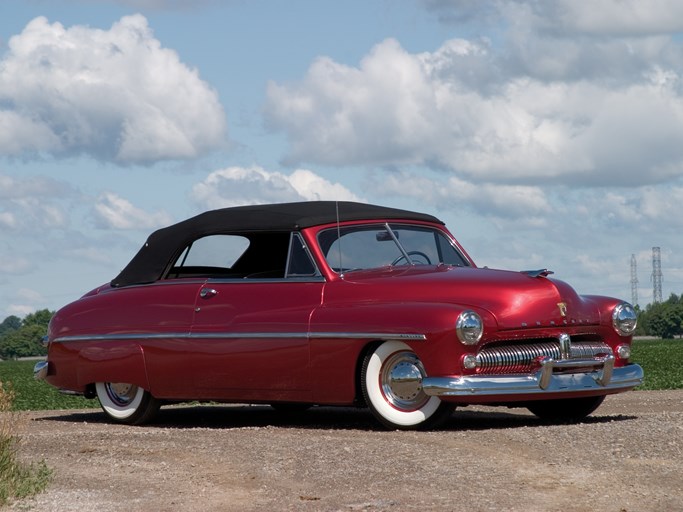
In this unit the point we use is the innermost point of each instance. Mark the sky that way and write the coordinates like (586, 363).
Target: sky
(545, 134)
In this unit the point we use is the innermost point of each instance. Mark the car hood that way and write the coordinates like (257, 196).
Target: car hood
(515, 299)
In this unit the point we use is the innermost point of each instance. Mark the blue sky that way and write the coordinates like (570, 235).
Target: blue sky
(545, 134)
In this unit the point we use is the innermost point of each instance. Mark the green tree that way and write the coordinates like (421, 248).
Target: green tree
(666, 319)
(26, 340)
(11, 323)
(41, 317)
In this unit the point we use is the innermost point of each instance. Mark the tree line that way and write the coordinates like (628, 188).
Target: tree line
(23, 337)
(663, 319)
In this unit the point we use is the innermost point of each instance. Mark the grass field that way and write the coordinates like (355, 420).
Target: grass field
(36, 395)
(662, 361)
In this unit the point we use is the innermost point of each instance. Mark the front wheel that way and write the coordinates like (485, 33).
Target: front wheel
(126, 403)
(565, 409)
(391, 382)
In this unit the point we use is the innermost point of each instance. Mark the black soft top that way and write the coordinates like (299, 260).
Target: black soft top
(165, 244)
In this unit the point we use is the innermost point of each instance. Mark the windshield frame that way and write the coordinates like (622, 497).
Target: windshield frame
(332, 253)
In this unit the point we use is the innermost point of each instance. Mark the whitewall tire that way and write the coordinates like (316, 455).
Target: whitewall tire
(391, 382)
(126, 403)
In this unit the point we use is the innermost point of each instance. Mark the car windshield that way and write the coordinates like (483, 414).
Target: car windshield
(379, 245)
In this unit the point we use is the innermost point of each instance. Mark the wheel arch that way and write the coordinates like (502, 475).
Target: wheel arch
(391, 384)
(112, 362)
(369, 347)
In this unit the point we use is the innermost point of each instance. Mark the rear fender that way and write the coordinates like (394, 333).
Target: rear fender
(112, 362)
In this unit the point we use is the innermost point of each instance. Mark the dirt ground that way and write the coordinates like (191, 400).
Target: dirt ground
(627, 457)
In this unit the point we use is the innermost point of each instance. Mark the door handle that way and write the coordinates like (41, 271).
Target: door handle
(207, 293)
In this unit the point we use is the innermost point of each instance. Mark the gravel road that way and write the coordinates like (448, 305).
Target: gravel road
(627, 457)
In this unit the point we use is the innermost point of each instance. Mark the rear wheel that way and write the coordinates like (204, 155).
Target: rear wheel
(391, 382)
(126, 403)
(565, 409)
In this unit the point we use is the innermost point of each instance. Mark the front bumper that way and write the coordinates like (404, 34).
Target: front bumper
(552, 377)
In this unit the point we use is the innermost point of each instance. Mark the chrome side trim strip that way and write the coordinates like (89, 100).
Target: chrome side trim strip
(128, 336)
(374, 335)
(242, 335)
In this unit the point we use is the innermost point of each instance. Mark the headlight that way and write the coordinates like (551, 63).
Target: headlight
(624, 319)
(469, 327)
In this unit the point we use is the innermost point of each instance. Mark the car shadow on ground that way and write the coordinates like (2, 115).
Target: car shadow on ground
(322, 418)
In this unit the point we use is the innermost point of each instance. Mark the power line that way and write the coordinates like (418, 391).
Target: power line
(634, 280)
(656, 275)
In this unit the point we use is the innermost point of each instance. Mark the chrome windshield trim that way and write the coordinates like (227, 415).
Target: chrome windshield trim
(242, 335)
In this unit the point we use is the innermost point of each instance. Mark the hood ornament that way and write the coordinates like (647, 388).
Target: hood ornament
(543, 272)
(562, 306)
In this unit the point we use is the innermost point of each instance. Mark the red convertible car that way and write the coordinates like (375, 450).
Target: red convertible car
(326, 303)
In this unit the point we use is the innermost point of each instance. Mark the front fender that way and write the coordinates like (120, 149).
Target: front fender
(340, 333)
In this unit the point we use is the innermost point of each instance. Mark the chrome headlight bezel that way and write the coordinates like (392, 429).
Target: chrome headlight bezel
(624, 319)
(469, 327)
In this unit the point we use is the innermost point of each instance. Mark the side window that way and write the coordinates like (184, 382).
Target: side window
(211, 255)
(449, 255)
(299, 261)
(215, 251)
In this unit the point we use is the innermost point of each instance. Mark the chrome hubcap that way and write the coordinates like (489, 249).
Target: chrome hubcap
(121, 393)
(401, 381)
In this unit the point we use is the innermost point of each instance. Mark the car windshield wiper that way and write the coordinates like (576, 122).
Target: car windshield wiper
(398, 244)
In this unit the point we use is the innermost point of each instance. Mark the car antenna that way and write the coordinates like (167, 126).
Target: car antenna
(341, 268)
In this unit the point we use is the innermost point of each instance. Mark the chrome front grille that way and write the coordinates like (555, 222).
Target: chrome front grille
(520, 357)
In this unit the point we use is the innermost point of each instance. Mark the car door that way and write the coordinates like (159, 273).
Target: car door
(249, 335)
(250, 339)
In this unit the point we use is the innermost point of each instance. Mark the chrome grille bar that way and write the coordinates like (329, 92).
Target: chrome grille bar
(525, 357)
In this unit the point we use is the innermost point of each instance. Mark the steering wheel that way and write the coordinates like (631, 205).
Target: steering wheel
(412, 253)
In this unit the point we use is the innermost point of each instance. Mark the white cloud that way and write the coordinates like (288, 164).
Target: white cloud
(114, 212)
(237, 186)
(27, 294)
(663, 206)
(32, 203)
(600, 17)
(565, 17)
(92, 255)
(8, 220)
(590, 112)
(20, 310)
(115, 94)
(14, 263)
(518, 203)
